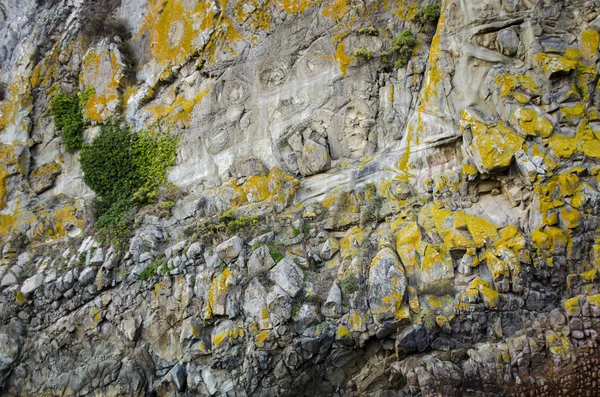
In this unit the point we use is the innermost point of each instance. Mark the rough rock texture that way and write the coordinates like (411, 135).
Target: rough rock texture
(425, 230)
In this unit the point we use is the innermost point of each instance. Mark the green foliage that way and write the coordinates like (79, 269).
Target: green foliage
(68, 117)
(363, 53)
(428, 17)
(125, 168)
(150, 271)
(276, 253)
(403, 46)
(255, 246)
(226, 224)
(349, 284)
(295, 232)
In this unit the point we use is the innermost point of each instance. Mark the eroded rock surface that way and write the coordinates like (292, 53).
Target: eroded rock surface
(428, 229)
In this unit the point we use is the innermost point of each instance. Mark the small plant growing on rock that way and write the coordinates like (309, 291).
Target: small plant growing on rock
(276, 253)
(403, 46)
(150, 271)
(428, 319)
(439, 288)
(363, 53)
(226, 224)
(428, 17)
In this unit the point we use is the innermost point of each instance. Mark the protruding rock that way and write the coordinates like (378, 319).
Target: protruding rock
(330, 248)
(230, 249)
(387, 284)
(333, 305)
(260, 261)
(288, 276)
(32, 283)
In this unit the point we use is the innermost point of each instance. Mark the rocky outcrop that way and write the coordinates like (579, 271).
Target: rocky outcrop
(339, 221)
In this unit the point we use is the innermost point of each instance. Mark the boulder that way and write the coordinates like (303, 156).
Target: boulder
(387, 285)
(32, 283)
(230, 249)
(288, 276)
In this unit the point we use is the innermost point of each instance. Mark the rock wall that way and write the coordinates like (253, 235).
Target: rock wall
(342, 226)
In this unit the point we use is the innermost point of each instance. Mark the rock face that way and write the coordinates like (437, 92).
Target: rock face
(349, 214)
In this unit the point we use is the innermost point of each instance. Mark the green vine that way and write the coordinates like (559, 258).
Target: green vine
(125, 168)
(68, 117)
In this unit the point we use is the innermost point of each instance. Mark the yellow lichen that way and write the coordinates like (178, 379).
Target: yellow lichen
(179, 111)
(296, 6)
(493, 144)
(519, 86)
(217, 289)
(553, 63)
(106, 81)
(531, 123)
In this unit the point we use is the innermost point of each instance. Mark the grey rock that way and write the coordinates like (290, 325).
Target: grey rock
(195, 251)
(97, 258)
(260, 261)
(333, 305)
(8, 280)
(87, 276)
(32, 284)
(279, 304)
(330, 248)
(387, 285)
(288, 276)
(178, 377)
(230, 249)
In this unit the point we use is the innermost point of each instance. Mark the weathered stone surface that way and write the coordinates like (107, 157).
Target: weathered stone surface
(436, 216)
(288, 276)
(387, 285)
(32, 284)
(230, 249)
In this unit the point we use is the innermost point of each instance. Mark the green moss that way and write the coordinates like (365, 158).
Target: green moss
(295, 232)
(428, 17)
(349, 284)
(370, 212)
(439, 288)
(370, 30)
(403, 46)
(68, 117)
(428, 319)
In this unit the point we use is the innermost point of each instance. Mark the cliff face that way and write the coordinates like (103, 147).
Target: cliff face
(354, 209)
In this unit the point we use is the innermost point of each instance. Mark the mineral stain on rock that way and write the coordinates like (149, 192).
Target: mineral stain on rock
(314, 205)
